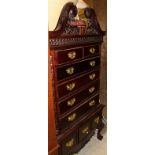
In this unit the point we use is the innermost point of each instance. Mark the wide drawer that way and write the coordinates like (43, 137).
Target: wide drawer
(76, 68)
(64, 56)
(91, 50)
(76, 114)
(76, 99)
(69, 143)
(77, 83)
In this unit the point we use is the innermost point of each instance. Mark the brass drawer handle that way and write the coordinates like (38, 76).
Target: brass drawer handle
(72, 117)
(71, 55)
(92, 103)
(91, 90)
(71, 102)
(70, 143)
(85, 130)
(97, 120)
(92, 50)
(92, 63)
(70, 86)
(70, 70)
(92, 76)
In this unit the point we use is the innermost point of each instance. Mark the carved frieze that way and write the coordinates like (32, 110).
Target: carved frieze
(56, 42)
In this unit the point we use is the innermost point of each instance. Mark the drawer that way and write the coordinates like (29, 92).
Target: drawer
(69, 143)
(76, 99)
(84, 131)
(91, 50)
(77, 83)
(64, 56)
(76, 68)
(76, 114)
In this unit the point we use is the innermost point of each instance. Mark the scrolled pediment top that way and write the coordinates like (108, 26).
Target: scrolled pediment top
(69, 25)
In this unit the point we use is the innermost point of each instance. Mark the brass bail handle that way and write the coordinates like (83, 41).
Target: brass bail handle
(72, 55)
(92, 50)
(91, 90)
(70, 143)
(70, 86)
(71, 102)
(92, 103)
(92, 63)
(92, 76)
(85, 130)
(72, 117)
(97, 120)
(70, 70)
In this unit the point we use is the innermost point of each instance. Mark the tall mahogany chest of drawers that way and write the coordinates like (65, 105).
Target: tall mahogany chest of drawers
(75, 65)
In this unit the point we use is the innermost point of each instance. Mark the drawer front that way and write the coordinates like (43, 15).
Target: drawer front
(84, 131)
(69, 55)
(91, 51)
(76, 83)
(76, 99)
(75, 115)
(70, 70)
(69, 143)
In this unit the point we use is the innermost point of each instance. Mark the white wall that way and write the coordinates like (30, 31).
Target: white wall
(54, 10)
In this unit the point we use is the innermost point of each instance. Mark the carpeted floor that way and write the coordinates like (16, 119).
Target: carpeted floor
(95, 146)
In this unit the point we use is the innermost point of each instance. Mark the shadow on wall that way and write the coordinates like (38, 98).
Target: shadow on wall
(100, 7)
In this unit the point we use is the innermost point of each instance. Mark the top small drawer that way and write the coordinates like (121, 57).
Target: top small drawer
(64, 56)
(91, 50)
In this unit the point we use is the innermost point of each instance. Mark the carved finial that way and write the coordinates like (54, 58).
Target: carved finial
(68, 12)
(93, 25)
